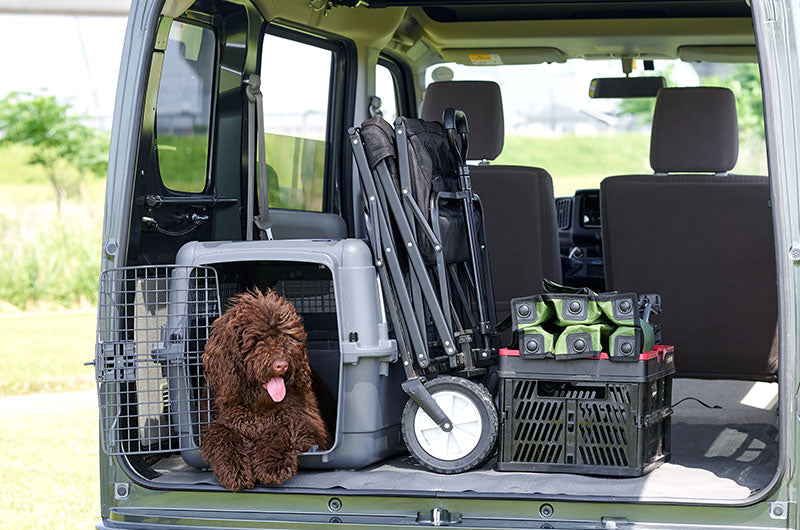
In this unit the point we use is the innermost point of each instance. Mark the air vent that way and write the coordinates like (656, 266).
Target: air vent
(564, 212)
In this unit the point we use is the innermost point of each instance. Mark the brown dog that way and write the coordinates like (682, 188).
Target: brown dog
(260, 382)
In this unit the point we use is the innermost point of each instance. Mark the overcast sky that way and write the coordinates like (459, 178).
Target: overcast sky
(72, 57)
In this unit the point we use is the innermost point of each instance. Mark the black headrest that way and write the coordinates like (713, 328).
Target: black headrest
(694, 130)
(483, 105)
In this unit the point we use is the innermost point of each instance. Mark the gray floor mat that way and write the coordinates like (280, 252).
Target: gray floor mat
(720, 454)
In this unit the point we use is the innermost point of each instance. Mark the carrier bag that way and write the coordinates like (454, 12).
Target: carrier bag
(572, 309)
(581, 341)
(536, 342)
(574, 323)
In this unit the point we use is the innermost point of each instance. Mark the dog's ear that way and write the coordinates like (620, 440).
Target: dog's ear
(222, 360)
(302, 375)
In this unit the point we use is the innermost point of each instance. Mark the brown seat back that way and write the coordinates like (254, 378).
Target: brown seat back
(518, 201)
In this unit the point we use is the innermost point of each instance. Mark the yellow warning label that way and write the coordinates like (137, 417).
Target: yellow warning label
(485, 58)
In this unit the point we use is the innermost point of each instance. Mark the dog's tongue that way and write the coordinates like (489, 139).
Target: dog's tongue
(276, 389)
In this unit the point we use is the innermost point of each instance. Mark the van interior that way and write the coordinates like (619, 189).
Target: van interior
(665, 195)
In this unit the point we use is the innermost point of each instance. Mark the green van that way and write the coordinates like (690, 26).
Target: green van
(644, 146)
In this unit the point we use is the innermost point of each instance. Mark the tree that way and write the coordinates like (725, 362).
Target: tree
(61, 144)
(641, 109)
(745, 84)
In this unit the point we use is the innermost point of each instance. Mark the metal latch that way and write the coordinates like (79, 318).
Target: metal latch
(439, 517)
(115, 361)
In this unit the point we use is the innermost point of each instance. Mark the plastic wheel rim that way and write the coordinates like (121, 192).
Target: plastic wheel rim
(466, 432)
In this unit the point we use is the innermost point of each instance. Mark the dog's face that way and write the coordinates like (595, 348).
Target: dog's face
(256, 353)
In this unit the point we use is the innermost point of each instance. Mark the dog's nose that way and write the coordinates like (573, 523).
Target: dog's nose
(280, 367)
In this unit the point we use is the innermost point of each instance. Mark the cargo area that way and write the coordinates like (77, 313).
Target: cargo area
(724, 454)
(723, 440)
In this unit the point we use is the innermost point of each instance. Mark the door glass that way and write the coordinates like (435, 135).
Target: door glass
(295, 81)
(183, 112)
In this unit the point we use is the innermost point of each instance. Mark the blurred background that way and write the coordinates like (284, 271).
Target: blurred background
(60, 62)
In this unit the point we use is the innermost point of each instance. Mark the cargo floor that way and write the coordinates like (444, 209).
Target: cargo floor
(722, 454)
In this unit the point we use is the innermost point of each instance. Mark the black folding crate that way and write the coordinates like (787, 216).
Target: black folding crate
(590, 416)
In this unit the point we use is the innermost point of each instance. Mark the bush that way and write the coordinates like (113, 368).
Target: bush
(57, 264)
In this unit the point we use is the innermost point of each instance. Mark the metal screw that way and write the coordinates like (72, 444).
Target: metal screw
(626, 348)
(625, 306)
(355, 142)
(121, 490)
(334, 520)
(546, 510)
(523, 310)
(574, 307)
(777, 510)
(532, 345)
(111, 248)
(399, 131)
(334, 504)
(579, 345)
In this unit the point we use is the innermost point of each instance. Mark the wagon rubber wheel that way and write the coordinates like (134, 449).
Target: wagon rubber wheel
(471, 441)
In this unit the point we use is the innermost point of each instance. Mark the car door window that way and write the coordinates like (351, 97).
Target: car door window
(183, 110)
(296, 81)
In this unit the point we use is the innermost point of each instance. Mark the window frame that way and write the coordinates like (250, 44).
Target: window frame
(403, 83)
(341, 87)
(205, 23)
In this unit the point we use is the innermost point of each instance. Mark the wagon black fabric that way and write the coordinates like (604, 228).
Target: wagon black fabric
(433, 169)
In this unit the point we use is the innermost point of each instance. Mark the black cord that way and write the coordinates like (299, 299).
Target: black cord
(706, 405)
(176, 233)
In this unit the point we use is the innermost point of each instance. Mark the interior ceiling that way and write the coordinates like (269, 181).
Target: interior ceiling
(589, 38)
(588, 10)
(588, 29)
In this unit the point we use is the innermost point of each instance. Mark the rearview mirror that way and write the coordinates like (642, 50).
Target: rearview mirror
(626, 87)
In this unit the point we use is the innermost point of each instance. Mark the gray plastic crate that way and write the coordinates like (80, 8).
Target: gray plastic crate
(369, 396)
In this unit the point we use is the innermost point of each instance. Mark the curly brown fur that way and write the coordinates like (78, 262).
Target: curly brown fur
(254, 438)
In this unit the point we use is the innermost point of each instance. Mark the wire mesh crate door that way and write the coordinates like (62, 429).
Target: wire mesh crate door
(153, 322)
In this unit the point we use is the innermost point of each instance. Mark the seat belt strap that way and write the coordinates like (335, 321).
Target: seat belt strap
(255, 112)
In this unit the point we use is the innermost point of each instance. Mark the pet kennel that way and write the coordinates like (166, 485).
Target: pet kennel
(153, 396)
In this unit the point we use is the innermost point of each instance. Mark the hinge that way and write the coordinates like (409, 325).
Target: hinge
(439, 517)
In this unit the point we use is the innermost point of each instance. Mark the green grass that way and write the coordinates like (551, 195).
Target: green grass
(57, 264)
(48, 257)
(49, 474)
(45, 352)
(577, 162)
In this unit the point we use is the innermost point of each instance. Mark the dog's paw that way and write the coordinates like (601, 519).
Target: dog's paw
(276, 471)
(236, 481)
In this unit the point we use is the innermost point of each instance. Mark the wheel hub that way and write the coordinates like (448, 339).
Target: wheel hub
(461, 439)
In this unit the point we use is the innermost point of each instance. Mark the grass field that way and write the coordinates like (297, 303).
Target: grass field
(45, 352)
(49, 472)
